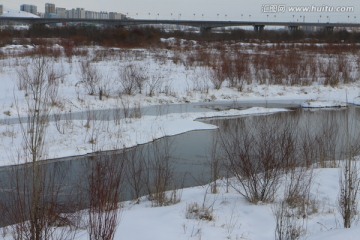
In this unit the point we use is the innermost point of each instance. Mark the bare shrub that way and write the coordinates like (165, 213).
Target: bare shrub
(105, 182)
(132, 79)
(297, 191)
(257, 154)
(160, 177)
(201, 81)
(59, 127)
(136, 169)
(349, 187)
(344, 68)
(194, 211)
(90, 76)
(125, 107)
(116, 113)
(154, 84)
(215, 165)
(330, 72)
(216, 76)
(308, 154)
(53, 219)
(241, 73)
(287, 225)
(326, 142)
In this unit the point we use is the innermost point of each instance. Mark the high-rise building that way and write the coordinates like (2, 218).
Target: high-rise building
(80, 13)
(104, 15)
(1, 9)
(50, 9)
(115, 15)
(29, 8)
(61, 12)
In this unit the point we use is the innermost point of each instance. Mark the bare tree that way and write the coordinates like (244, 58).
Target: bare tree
(35, 194)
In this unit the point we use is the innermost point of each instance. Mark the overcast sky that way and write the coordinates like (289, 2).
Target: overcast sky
(203, 9)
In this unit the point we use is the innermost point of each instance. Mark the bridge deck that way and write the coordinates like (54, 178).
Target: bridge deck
(194, 23)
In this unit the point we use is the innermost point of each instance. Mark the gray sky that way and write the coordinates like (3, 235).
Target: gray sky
(205, 9)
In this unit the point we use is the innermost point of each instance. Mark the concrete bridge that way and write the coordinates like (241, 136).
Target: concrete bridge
(203, 25)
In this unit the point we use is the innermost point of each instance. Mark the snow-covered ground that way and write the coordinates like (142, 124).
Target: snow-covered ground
(234, 218)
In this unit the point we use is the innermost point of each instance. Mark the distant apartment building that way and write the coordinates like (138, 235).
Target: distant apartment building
(1, 9)
(92, 15)
(76, 13)
(80, 13)
(50, 10)
(29, 8)
(104, 15)
(61, 12)
(115, 15)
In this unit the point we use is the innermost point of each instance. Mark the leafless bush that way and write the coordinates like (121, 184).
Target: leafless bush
(215, 165)
(154, 84)
(136, 111)
(136, 169)
(330, 73)
(194, 211)
(105, 182)
(287, 226)
(58, 125)
(297, 191)
(90, 76)
(201, 81)
(160, 177)
(117, 116)
(216, 76)
(240, 72)
(326, 142)
(349, 187)
(308, 154)
(51, 220)
(132, 79)
(125, 107)
(257, 155)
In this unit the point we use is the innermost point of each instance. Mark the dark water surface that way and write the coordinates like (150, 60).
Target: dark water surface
(188, 155)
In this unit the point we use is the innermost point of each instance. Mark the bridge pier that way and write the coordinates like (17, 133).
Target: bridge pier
(205, 30)
(329, 29)
(259, 28)
(293, 28)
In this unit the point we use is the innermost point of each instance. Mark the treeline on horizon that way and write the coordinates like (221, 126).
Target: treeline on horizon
(150, 36)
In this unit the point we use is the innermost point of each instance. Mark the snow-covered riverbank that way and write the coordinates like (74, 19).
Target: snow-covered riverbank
(233, 216)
